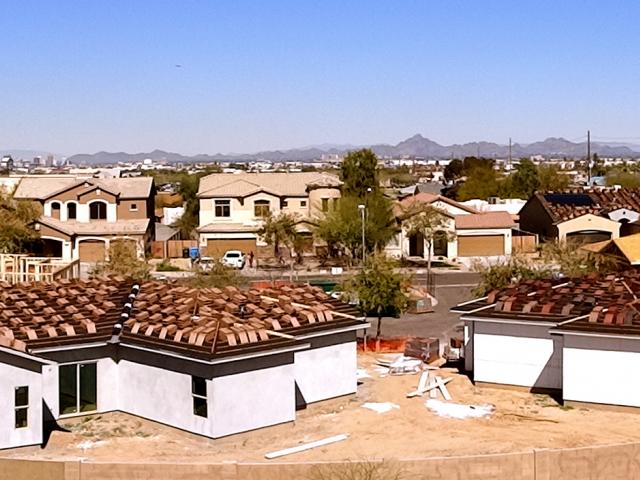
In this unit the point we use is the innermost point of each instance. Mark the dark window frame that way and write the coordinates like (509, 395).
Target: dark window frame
(199, 396)
(21, 407)
(222, 208)
(100, 212)
(75, 211)
(261, 208)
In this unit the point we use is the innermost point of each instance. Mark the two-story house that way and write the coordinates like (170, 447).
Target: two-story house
(80, 216)
(233, 206)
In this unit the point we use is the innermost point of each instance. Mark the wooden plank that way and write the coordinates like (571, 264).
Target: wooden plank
(441, 385)
(431, 387)
(306, 446)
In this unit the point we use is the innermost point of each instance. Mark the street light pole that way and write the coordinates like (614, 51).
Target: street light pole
(362, 209)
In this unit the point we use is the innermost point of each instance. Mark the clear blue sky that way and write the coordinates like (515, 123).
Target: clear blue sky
(83, 76)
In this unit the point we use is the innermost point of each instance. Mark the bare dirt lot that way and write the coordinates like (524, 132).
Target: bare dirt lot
(521, 421)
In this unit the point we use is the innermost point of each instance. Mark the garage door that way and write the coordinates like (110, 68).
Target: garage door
(92, 251)
(217, 247)
(480, 245)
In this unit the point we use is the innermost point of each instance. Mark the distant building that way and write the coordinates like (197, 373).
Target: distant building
(6, 163)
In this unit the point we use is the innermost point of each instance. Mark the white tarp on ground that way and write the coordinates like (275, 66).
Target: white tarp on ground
(459, 410)
(380, 407)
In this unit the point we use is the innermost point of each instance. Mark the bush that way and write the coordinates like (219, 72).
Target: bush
(165, 266)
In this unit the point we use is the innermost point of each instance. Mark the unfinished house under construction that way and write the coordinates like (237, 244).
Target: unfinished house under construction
(209, 361)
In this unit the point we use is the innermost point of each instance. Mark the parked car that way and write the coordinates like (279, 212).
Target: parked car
(205, 263)
(234, 259)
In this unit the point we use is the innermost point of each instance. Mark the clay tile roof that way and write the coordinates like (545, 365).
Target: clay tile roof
(569, 204)
(485, 220)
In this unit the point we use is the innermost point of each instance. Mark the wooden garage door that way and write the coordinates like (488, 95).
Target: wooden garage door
(480, 245)
(217, 247)
(92, 251)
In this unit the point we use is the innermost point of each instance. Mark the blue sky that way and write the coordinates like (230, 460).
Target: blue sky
(83, 76)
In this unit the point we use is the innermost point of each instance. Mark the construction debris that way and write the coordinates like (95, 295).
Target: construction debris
(459, 410)
(433, 386)
(362, 373)
(426, 349)
(382, 407)
(306, 446)
(401, 365)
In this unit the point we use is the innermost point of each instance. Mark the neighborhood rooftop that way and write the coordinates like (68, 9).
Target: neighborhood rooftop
(40, 188)
(195, 322)
(607, 304)
(574, 203)
(282, 184)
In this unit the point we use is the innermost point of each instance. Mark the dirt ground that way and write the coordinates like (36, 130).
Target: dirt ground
(521, 421)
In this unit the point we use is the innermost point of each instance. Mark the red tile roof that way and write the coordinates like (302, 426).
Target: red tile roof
(197, 322)
(604, 303)
(565, 205)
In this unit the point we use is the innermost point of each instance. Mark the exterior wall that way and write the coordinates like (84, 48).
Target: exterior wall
(94, 195)
(588, 222)
(534, 218)
(251, 400)
(161, 395)
(517, 354)
(107, 384)
(315, 199)
(241, 210)
(326, 372)
(587, 360)
(124, 211)
(12, 377)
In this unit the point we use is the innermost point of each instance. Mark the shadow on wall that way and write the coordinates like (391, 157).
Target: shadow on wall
(49, 424)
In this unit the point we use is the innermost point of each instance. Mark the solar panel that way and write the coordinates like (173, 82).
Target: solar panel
(573, 199)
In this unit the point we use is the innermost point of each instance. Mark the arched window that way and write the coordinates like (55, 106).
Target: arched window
(71, 211)
(55, 210)
(261, 208)
(98, 211)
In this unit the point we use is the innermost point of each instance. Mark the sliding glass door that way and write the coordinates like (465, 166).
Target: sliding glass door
(77, 388)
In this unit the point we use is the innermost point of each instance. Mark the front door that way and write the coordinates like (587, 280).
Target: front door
(416, 245)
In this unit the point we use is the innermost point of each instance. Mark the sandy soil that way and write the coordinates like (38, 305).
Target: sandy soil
(521, 421)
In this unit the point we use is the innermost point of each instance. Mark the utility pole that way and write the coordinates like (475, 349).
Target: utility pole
(509, 154)
(589, 156)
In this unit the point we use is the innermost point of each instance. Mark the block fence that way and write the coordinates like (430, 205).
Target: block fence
(588, 463)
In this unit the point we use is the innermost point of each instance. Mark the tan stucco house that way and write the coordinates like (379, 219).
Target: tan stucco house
(467, 233)
(82, 216)
(233, 206)
(584, 216)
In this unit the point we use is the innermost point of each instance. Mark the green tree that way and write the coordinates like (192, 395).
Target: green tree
(523, 182)
(551, 179)
(598, 169)
(379, 289)
(16, 218)
(280, 231)
(123, 261)
(427, 221)
(217, 276)
(623, 178)
(481, 182)
(501, 274)
(341, 228)
(359, 172)
(454, 170)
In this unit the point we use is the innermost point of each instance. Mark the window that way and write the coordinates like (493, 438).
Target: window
(261, 208)
(77, 388)
(55, 209)
(98, 211)
(335, 203)
(21, 406)
(222, 208)
(325, 204)
(303, 203)
(284, 204)
(199, 394)
(71, 211)
(133, 207)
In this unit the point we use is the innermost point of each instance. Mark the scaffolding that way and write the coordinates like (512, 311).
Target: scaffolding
(16, 268)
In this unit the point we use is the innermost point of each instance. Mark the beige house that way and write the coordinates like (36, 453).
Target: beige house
(467, 234)
(233, 206)
(82, 216)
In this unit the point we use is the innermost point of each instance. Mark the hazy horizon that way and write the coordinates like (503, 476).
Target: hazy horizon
(207, 77)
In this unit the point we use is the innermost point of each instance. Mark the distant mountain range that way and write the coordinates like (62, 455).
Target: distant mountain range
(417, 146)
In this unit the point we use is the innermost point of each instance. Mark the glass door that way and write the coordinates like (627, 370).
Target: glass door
(77, 388)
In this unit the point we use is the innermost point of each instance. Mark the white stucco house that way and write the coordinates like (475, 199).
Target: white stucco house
(559, 336)
(211, 362)
(468, 234)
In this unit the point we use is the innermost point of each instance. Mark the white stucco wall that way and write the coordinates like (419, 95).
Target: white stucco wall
(516, 354)
(326, 372)
(250, 400)
(610, 361)
(160, 395)
(588, 222)
(13, 377)
(106, 387)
